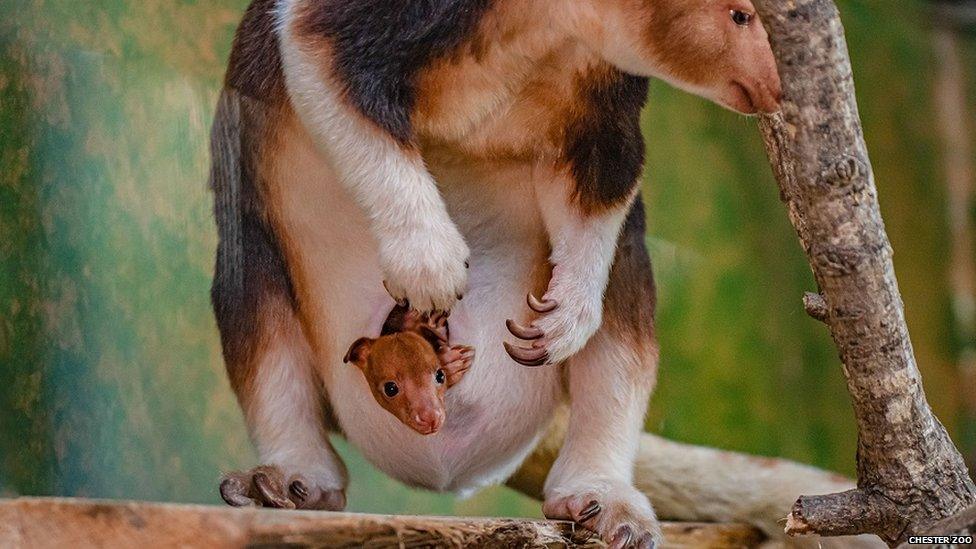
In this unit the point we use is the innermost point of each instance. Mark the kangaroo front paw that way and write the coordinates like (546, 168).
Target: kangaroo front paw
(620, 514)
(567, 318)
(267, 486)
(427, 269)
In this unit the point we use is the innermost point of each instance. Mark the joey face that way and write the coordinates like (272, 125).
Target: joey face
(717, 49)
(405, 377)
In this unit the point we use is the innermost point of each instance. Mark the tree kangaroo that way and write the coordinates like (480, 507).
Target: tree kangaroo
(367, 152)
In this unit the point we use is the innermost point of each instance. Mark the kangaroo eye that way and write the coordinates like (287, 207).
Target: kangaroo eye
(741, 18)
(439, 377)
(390, 389)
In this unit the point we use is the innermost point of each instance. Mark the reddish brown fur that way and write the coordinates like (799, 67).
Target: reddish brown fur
(692, 47)
(419, 362)
(706, 51)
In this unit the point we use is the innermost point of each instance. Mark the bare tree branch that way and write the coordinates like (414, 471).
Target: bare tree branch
(816, 306)
(910, 475)
(42, 522)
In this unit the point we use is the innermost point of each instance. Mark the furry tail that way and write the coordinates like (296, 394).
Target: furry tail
(694, 483)
(226, 174)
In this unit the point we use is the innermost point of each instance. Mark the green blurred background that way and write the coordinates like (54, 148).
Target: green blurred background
(111, 381)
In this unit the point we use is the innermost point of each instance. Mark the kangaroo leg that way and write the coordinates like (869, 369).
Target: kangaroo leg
(685, 482)
(284, 410)
(610, 381)
(268, 358)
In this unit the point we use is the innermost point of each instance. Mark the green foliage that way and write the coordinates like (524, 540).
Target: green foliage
(113, 379)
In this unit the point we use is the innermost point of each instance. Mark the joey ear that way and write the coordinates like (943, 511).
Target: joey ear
(435, 339)
(359, 351)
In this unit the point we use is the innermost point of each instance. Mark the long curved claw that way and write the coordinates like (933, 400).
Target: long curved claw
(400, 301)
(591, 510)
(526, 356)
(439, 316)
(522, 332)
(298, 489)
(623, 538)
(541, 306)
(234, 493)
(271, 492)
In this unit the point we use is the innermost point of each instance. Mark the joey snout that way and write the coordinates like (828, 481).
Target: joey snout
(426, 419)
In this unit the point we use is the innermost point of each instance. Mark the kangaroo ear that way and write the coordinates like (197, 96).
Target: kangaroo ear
(435, 339)
(359, 351)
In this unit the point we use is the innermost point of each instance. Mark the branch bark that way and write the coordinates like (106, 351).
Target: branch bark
(961, 524)
(52, 522)
(815, 306)
(910, 475)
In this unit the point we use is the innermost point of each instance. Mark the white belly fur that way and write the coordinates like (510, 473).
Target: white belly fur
(497, 412)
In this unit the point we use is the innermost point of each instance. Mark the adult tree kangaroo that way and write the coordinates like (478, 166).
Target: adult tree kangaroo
(367, 152)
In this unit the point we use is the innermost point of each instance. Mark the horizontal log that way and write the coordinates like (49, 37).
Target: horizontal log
(55, 522)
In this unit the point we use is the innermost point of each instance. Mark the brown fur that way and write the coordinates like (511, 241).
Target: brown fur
(252, 293)
(255, 61)
(689, 45)
(631, 300)
(413, 354)
(543, 91)
(700, 50)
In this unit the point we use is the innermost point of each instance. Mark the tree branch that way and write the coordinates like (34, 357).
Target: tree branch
(61, 522)
(843, 514)
(910, 475)
(816, 306)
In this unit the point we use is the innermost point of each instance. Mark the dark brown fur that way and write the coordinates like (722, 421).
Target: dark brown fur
(631, 297)
(600, 142)
(603, 144)
(255, 69)
(483, 86)
(378, 63)
(252, 293)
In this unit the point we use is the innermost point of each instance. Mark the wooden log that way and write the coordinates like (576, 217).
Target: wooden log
(910, 475)
(55, 522)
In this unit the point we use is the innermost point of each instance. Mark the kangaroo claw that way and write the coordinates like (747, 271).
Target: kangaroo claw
(522, 332)
(541, 306)
(527, 356)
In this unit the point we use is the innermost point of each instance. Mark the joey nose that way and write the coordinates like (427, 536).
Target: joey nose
(428, 421)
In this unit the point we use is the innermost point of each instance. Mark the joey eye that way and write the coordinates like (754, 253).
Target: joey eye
(391, 389)
(439, 377)
(741, 18)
